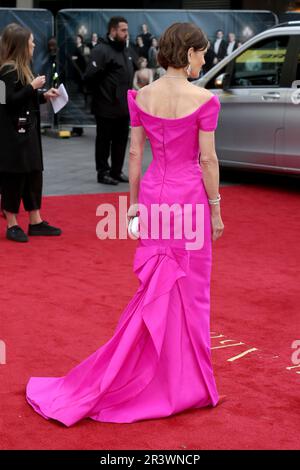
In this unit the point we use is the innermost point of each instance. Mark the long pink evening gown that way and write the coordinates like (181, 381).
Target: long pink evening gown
(158, 361)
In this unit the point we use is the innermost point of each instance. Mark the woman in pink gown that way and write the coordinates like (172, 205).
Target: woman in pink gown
(158, 361)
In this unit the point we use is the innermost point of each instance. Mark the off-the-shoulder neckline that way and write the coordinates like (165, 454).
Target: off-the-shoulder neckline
(133, 93)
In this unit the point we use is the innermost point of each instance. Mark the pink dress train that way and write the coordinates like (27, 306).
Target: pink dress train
(158, 361)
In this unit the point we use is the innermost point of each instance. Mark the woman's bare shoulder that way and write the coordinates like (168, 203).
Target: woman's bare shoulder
(144, 93)
(201, 94)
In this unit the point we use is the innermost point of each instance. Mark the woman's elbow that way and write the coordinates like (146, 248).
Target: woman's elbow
(135, 152)
(209, 159)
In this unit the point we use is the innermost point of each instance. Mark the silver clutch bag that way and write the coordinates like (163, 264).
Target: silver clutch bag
(133, 227)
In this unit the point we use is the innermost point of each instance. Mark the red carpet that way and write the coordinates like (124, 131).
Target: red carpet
(61, 299)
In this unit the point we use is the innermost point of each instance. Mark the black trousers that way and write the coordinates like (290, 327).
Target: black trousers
(111, 140)
(17, 187)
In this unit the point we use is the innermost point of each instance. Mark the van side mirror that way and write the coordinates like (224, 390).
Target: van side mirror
(222, 81)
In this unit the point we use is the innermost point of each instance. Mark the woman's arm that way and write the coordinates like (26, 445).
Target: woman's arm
(210, 172)
(135, 83)
(136, 151)
(209, 163)
(51, 93)
(150, 75)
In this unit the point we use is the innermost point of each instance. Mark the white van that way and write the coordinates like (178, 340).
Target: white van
(259, 123)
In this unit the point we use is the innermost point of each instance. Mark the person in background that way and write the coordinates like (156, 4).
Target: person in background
(146, 37)
(50, 68)
(219, 46)
(232, 44)
(143, 76)
(132, 53)
(94, 41)
(21, 161)
(152, 57)
(209, 60)
(108, 76)
(79, 58)
(140, 47)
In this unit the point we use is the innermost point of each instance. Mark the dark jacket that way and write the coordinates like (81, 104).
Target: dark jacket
(222, 49)
(20, 152)
(234, 47)
(108, 76)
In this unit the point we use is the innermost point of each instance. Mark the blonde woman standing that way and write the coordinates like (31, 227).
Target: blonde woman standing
(21, 160)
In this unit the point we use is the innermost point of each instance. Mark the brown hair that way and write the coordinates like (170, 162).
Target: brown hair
(14, 51)
(176, 41)
(141, 60)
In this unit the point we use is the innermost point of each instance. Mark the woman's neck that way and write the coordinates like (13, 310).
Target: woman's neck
(178, 73)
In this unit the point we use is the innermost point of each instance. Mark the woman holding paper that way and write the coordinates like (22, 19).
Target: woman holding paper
(21, 159)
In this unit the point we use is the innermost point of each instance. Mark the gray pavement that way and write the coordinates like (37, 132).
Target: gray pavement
(70, 166)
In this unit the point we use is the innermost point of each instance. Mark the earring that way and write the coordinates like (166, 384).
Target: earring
(189, 70)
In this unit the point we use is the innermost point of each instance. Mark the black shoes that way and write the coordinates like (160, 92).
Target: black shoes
(43, 228)
(106, 179)
(16, 234)
(109, 179)
(122, 177)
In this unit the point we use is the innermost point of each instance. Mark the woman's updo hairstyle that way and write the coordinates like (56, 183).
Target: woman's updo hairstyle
(176, 41)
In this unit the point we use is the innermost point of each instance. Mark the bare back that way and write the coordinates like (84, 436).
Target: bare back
(171, 97)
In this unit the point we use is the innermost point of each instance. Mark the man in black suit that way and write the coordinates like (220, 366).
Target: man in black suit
(232, 44)
(108, 76)
(219, 46)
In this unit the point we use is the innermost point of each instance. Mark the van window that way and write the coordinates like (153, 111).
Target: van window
(261, 64)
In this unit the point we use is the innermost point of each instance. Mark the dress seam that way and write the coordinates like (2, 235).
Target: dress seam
(165, 162)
